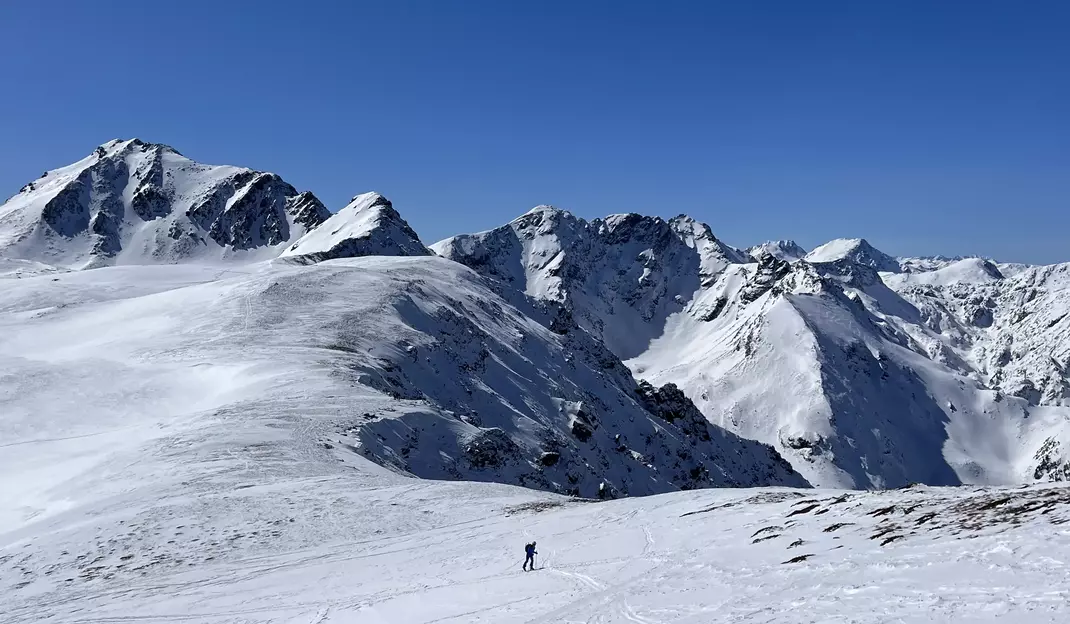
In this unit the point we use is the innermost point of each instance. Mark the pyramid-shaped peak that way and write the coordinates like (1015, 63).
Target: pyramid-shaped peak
(367, 200)
(367, 226)
(546, 218)
(853, 250)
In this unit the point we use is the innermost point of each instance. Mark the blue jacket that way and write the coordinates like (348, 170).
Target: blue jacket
(529, 549)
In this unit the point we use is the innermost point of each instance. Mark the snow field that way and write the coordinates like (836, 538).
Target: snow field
(452, 553)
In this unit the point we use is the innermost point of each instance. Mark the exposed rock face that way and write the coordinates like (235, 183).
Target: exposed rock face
(132, 202)
(671, 405)
(847, 361)
(787, 250)
(861, 369)
(484, 390)
(620, 277)
(1052, 464)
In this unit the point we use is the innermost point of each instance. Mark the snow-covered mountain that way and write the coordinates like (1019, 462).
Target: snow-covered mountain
(163, 418)
(334, 433)
(131, 202)
(452, 380)
(782, 250)
(621, 277)
(861, 369)
(367, 226)
(853, 251)
(830, 359)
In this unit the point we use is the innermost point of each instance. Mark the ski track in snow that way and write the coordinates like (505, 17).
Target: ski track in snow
(958, 557)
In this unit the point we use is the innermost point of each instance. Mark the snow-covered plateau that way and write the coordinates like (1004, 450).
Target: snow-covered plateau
(220, 402)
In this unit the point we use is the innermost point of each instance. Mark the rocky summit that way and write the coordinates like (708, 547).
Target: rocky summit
(131, 202)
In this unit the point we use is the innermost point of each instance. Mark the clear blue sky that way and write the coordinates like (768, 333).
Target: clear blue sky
(926, 127)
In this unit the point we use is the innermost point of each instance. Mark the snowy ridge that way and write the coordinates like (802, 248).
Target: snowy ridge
(620, 277)
(867, 391)
(781, 250)
(367, 226)
(411, 362)
(964, 271)
(131, 202)
(965, 356)
(843, 409)
(1011, 332)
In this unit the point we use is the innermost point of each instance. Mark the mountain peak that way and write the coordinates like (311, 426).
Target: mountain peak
(543, 208)
(688, 224)
(620, 276)
(781, 250)
(136, 202)
(121, 146)
(545, 212)
(856, 251)
(367, 226)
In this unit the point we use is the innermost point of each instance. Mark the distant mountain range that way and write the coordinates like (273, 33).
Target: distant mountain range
(624, 355)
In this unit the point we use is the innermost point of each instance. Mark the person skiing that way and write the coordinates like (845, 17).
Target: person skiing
(530, 552)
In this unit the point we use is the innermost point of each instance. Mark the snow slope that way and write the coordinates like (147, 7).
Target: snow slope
(802, 366)
(413, 363)
(159, 419)
(131, 202)
(425, 552)
(367, 226)
(965, 271)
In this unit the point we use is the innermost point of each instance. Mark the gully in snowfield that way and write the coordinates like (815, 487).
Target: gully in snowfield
(530, 552)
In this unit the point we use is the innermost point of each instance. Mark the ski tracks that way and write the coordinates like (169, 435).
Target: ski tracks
(611, 596)
(628, 613)
(320, 616)
(602, 595)
(583, 578)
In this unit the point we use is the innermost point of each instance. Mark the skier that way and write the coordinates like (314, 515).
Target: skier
(529, 550)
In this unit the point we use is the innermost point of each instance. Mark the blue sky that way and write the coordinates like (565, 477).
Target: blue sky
(926, 127)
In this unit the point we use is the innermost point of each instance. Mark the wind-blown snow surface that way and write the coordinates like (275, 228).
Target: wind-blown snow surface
(131, 202)
(373, 548)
